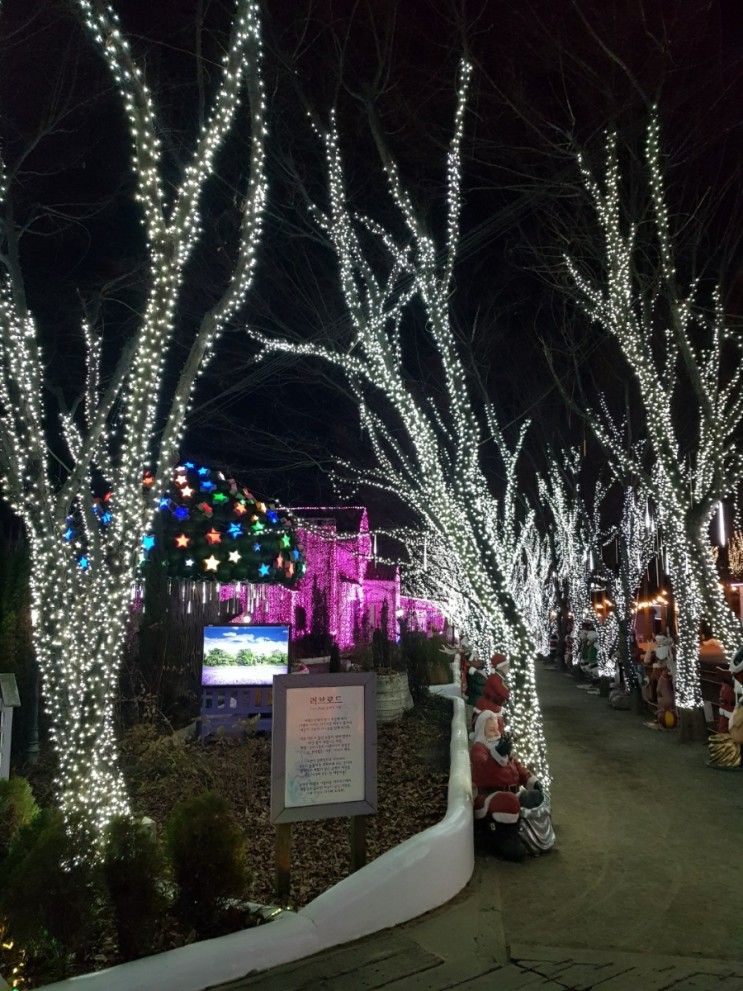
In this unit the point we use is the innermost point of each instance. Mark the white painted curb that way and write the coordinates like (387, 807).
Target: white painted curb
(420, 874)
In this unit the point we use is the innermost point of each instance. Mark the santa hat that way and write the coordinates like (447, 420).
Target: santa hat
(501, 664)
(495, 689)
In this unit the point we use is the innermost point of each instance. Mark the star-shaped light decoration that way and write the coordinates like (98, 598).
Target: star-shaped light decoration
(189, 465)
(235, 530)
(182, 540)
(257, 548)
(279, 561)
(106, 518)
(180, 513)
(189, 562)
(83, 563)
(68, 534)
(286, 541)
(148, 542)
(203, 472)
(257, 527)
(261, 507)
(186, 491)
(207, 486)
(211, 563)
(273, 516)
(239, 508)
(214, 536)
(164, 502)
(295, 554)
(219, 497)
(148, 480)
(234, 556)
(263, 570)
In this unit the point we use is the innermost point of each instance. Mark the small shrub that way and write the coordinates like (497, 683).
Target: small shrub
(207, 853)
(133, 876)
(40, 898)
(334, 665)
(17, 809)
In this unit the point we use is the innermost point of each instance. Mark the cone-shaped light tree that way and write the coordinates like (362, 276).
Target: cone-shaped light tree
(426, 446)
(86, 529)
(687, 364)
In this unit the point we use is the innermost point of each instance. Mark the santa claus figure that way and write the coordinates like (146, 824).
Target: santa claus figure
(494, 696)
(503, 786)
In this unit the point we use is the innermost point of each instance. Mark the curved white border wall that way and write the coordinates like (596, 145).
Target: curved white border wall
(421, 873)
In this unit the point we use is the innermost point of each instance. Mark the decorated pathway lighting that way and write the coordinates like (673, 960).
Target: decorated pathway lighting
(128, 430)
(674, 344)
(426, 448)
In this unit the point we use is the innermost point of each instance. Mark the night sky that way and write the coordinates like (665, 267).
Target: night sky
(549, 77)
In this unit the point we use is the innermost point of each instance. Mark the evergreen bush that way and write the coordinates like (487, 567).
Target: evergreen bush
(17, 809)
(206, 848)
(45, 896)
(133, 873)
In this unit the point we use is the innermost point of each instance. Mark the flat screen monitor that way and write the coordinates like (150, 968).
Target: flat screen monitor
(244, 655)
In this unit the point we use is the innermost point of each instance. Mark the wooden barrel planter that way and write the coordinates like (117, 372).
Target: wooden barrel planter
(391, 697)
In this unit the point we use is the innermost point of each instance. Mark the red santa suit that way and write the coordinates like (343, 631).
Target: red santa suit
(497, 778)
(495, 694)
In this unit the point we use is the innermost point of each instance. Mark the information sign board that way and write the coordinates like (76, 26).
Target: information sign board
(324, 747)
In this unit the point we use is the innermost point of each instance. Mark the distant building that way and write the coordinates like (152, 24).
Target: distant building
(343, 591)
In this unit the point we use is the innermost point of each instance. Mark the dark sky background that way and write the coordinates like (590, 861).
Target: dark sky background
(550, 76)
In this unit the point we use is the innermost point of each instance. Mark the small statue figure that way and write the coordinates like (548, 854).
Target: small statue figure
(503, 786)
(494, 696)
(726, 748)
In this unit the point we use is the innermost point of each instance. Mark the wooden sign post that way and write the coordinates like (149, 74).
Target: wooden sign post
(323, 759)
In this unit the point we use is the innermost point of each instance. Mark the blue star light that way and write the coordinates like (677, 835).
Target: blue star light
(203, 472)
(180, 513)
(263, 570)
(189, 464)
(83, 562)
(148, 542)
(295, 554)
(235, 530)
(272, 516)
(106, 518)
(164, 502)
(207, 486)
(257, 548)
(68, 534)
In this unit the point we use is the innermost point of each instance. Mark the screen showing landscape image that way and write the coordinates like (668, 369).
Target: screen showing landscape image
(244, 655)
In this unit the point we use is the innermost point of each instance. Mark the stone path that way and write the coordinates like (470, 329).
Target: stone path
(642, 894)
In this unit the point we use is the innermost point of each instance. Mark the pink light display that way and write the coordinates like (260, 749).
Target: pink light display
(341, 579)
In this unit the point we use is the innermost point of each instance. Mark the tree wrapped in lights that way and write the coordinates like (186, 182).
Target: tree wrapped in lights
(635, 549)
(533, 583)
(560, 495)
(675, 346)
(426, 447)
(87, 532)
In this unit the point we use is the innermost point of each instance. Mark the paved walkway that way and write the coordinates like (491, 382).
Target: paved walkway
(643, 893)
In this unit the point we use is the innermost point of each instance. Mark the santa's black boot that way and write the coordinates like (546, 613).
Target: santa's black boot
(506, 841)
